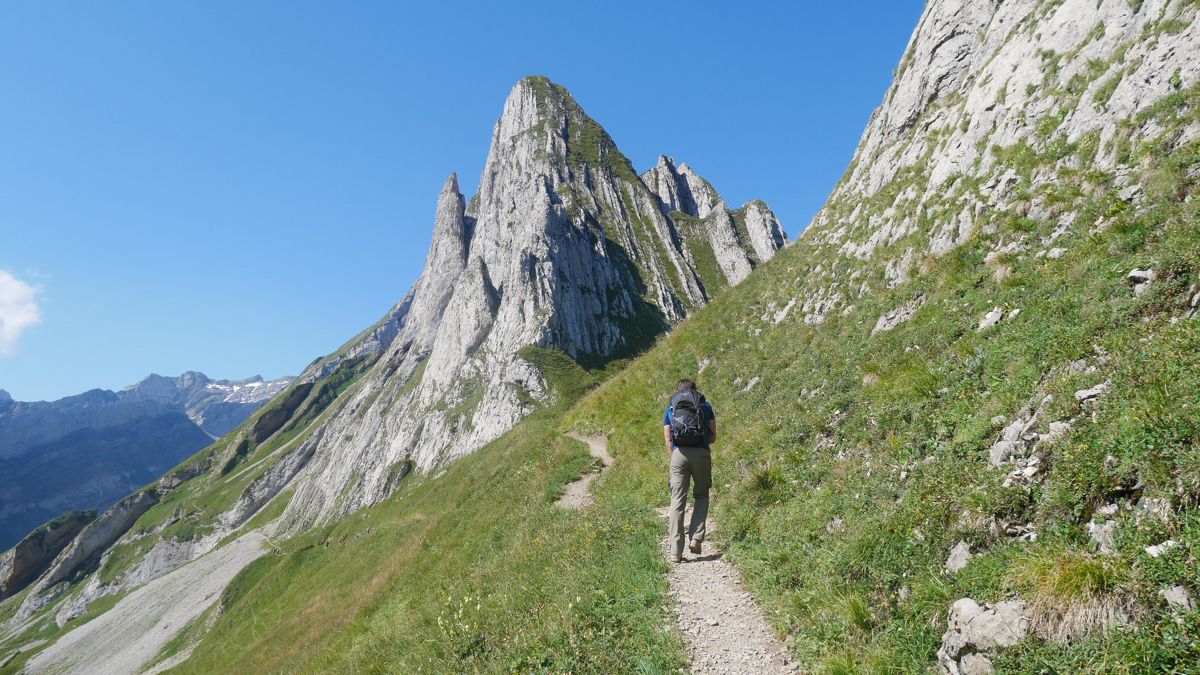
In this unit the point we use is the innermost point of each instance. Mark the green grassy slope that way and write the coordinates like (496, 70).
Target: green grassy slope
(475, 570)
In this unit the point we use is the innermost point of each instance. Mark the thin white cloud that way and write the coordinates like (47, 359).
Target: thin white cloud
(18, 311)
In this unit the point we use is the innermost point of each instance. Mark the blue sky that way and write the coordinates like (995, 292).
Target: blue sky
(238, 188)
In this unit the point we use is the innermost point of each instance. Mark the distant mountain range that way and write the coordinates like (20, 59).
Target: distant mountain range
(87, 451)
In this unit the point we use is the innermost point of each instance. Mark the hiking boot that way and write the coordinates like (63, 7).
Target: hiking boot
(694, 547)
(677, 558)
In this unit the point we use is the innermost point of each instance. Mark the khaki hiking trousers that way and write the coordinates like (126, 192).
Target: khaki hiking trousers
(689, 465)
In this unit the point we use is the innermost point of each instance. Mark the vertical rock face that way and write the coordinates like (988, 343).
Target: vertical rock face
(564, 247)
(445, 263)
(764, 231)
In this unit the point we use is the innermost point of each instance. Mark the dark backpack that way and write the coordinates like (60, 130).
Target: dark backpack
(687, 422)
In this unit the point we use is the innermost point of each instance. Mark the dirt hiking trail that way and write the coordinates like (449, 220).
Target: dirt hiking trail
(577, 494)
(724, 629)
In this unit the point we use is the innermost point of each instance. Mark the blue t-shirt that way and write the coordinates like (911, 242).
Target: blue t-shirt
(706, 415)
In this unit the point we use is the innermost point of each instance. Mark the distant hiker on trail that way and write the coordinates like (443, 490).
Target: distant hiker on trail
(689, 428)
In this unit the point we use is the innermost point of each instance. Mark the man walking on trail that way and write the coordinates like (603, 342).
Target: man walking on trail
(689, 429)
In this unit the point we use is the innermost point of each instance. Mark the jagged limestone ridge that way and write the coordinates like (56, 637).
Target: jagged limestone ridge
(563, 247)
(681, 189)
(724, 244)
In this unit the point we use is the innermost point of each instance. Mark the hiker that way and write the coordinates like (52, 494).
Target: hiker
(689, 429)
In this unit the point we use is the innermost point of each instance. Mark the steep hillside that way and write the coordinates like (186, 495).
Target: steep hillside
(88, 451)
(960, 413)
(564, 251)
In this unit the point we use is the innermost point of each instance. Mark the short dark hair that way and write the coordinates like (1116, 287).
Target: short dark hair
(685, 384)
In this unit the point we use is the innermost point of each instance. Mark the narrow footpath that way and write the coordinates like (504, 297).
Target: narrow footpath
(577, 494)
(724, 629)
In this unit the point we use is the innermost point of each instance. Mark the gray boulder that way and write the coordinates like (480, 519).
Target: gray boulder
(1141, 280)
(1178, 598)
(973, 629)
(990, 319)
(1092, 393)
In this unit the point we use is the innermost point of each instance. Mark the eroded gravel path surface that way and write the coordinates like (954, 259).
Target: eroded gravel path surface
(126, 637)
(578, 494)
(724, 628)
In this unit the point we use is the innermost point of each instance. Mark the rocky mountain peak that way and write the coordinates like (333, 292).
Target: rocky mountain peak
(153, 387)
(5, 396)
(533, 101)
(681, 189)
(544, 131)
(417, 316)
(215, 405)
(564, 247)
(193, 378)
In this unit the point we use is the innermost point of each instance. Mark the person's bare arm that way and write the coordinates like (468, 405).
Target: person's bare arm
(712, 431)
(667, 437)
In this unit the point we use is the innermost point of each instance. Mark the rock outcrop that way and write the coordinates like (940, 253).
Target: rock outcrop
(32, 555)
(681, 189)
(738, 239)
(993, 105)
(85, 549)
(975, 630)
(959, 556)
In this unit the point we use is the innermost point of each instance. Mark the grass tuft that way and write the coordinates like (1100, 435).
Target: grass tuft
(1072, 593)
